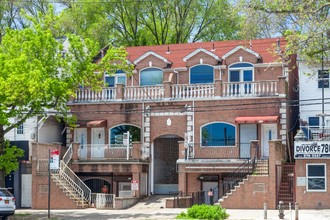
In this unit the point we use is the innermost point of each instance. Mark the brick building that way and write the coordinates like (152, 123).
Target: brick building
(195, 114)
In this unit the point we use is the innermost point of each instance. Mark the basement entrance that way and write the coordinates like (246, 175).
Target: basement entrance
(166, 153)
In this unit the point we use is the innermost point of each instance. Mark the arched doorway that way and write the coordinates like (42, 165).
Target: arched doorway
(166, 153)
(96, 185)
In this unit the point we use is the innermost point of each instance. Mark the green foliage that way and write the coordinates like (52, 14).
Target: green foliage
(215, 212)
(136, 23)
(8, 160)
(304, 24)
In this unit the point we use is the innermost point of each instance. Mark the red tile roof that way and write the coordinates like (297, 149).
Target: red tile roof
(179, 51)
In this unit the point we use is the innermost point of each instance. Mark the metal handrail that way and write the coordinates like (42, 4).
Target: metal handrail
(71, 178)
(241, 172)
(68, 155)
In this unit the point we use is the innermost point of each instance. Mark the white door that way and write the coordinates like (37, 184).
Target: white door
(97, 147)
(269, 132)
(81, 137)
(26, 188)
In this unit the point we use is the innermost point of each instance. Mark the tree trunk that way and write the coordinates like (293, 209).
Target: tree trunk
(2, 147)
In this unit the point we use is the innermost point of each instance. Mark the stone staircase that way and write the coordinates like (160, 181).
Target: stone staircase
(70, 191)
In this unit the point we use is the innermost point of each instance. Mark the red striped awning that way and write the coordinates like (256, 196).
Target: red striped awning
(256, 119)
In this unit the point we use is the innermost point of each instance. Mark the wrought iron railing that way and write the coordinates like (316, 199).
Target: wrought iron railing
(229, 182)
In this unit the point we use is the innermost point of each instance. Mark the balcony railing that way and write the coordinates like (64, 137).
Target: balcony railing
(143, 93)
(169, 91)
(316, 133)
(104, 152)
(192, 91)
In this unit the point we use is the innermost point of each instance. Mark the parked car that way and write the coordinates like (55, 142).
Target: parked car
(7, 204)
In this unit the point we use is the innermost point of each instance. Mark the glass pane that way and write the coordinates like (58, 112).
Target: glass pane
(201, 74)
(239, 65)
(121, 80)
(151, 76)
(120, 130)
(314, 121)
(110, 81)
(316, 170)
(247, 75)
(323, 76)
(234, 76)
(218, 134)
(316, 183)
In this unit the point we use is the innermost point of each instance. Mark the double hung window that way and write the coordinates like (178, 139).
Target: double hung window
(323, 78)
(316, 177)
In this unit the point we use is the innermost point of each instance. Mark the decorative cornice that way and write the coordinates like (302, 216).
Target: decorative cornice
(186, 58)
(243, 48)
(153, 54)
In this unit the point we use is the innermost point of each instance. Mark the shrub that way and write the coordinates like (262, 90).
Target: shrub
(204, 211)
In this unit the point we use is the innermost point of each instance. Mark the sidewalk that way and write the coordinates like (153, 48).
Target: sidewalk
(155, 212)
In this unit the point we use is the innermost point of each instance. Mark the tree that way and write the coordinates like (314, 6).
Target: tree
(38, 74)
(306, 25)
(136, 23)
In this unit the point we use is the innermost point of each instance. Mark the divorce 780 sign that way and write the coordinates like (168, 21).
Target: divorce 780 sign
(311, 149)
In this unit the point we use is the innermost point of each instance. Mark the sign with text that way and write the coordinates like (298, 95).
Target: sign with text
(135, 185)
(54, 160)
(311, 149)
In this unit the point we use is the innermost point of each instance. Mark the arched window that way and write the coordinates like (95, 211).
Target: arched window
(218, 134)
(116, 133)
(201, 74)
(151, 77)
(241, 73)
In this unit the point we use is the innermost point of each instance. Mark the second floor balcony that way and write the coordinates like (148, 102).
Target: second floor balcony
(174, 92)
(316, 133)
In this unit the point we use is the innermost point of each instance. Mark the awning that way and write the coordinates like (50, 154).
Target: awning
(98, 123)
(256, 119)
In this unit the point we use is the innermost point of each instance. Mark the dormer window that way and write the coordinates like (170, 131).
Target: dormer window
(151, 77)
(113, 80)
(201, 74)
(241, 73)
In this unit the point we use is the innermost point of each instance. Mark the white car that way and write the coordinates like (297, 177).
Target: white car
(7, 204)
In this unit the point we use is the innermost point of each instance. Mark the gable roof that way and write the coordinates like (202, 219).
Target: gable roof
(186, 58)
(153, 54)
(238, 48)
(177, 53)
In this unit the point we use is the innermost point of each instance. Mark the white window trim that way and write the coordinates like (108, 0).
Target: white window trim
(147, 69)
(325, 177)
(200, 135)
(20, 129)
(116, 77)
(201, 65)
(241, 71)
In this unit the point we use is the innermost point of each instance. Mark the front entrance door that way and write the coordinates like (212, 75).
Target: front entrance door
(269, 132)
(97, 147)
(81, 137)
(166, 152)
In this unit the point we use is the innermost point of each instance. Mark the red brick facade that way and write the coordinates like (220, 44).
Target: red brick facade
(174, 116)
